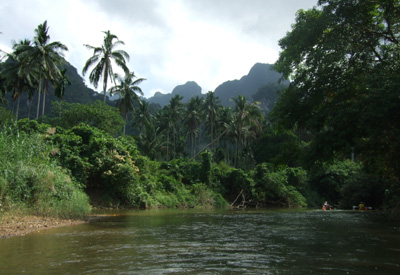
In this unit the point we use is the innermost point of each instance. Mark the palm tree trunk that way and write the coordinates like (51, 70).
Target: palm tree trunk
(38, 106)
(105, 87)
(212, 133)
(174, 138)
(126, 121)
(236, 154)
(192, 137)
(40, 89)
(12, 107)
(238, 140)
(16, 116)
(29, 108)
(44, 96)
(167, 145)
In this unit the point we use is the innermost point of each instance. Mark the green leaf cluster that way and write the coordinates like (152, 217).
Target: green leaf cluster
(30, 180)
(97, 114)
(115, 174)
(342, 58)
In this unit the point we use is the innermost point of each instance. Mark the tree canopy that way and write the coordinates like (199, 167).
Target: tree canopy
(343, 60)
(102, 61)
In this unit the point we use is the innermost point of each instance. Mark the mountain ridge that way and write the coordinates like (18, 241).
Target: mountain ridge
(188, 90)
(260, 74)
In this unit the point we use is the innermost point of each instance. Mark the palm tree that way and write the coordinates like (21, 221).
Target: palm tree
(127, 91)
(211, 108)
(175, 108)
(16, 74)
(224, 124)
(61, 84)
(247, 122)
(102, 61)
(164, 122)
(13, 80)
(193, 119)
(142, 115)
(59, 90)
(150, 141)
(45, 58)
(30, 74)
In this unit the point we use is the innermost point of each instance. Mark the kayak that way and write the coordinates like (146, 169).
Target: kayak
(362, 208)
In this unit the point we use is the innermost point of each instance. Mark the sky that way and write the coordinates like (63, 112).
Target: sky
(169, 42)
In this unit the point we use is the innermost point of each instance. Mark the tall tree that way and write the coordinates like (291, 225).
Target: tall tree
(61, 84)
(164, 123)
(176, 110)
(211, 108)
(102, 59)
(224, 125)
(44, 57)
(150, 141)
(15, 73)
(192, 119)
(344, 63)
(143, 116)
(246, 124)
(128, 90)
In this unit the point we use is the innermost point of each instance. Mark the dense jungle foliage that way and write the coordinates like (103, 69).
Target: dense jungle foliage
(332, 134)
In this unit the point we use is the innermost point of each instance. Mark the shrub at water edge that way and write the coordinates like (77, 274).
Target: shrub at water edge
(31, 180)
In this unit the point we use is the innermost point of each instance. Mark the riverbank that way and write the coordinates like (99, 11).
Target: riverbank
(20, 225)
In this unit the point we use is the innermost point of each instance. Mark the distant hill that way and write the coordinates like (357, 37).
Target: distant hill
(78, 92)
(188, 90)
(259, 75)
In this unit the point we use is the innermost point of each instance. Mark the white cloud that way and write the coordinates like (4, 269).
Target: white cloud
(170, 42)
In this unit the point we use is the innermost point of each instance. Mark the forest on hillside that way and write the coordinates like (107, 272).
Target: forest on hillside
(332, 134)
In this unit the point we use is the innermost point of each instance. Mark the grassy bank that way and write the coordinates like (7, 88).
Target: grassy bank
(32, 182)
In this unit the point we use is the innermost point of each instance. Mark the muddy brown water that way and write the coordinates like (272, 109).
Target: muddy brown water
(211, 242)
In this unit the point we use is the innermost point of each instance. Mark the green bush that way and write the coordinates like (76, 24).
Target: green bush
(98, 114)
(30, 179)
(234, 181)
(168, 182)
(192, 173)
(113, 170)
(205, 197)
(6, 117)
(32, 126)
(297, 177)
(271, 188)
(363, 188)
(329, 178)
(165, 199)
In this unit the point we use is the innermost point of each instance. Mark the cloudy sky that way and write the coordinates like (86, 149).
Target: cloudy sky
(170, 42)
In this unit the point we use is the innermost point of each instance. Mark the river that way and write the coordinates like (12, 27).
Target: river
(211, 242)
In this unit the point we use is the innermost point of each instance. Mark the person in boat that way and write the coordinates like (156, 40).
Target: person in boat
(326, 206)
(361, 206)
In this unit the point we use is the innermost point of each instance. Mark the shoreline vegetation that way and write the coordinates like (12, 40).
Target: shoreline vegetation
(51, 171)
(298, 152)
(53, 177)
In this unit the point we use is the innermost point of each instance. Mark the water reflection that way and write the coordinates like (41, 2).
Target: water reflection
(211, 242)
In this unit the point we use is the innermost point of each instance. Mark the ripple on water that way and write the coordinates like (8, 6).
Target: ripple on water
(189, 242)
